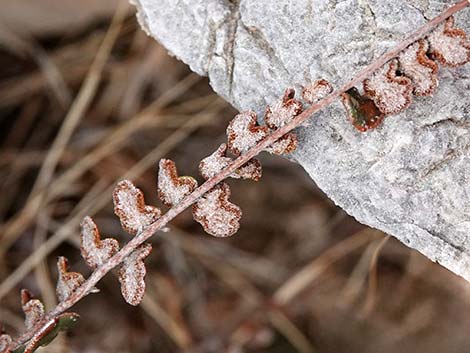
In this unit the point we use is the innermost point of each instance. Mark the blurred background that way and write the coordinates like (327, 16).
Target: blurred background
(86, 99)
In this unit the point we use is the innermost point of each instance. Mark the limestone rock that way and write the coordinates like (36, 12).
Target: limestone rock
(411, 176)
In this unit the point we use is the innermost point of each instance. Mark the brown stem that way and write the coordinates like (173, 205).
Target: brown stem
(140, 238)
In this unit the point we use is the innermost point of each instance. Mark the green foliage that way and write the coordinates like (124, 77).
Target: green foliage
(49, 332)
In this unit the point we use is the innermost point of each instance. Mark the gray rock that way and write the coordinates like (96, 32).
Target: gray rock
(409, 177)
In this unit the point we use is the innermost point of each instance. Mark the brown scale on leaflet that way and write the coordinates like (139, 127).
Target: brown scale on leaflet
(316, 91)
(450, 45)
(218, 160)
(5, 342)
(391, 93)
(33, 309)
(419, 68)
(250, 170)
(130, 207)
(95, 251)
(286, 144)
(283, 110)
(67, 282)
(132, 273)
(213, 164)
(217, 215)
(171, 187)
(243, 132)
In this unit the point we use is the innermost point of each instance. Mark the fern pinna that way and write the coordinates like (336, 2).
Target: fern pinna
(388, 84)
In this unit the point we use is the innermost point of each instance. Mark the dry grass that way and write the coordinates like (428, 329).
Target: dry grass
(81, 109)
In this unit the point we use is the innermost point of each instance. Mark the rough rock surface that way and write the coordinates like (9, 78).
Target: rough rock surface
(411, 176)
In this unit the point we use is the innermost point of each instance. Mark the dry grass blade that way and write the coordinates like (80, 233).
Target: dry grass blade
(71, 120)
(179, 335)
(111, 144)
(358, 276)
(304, 278)
(254, 298)
(371, 295)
